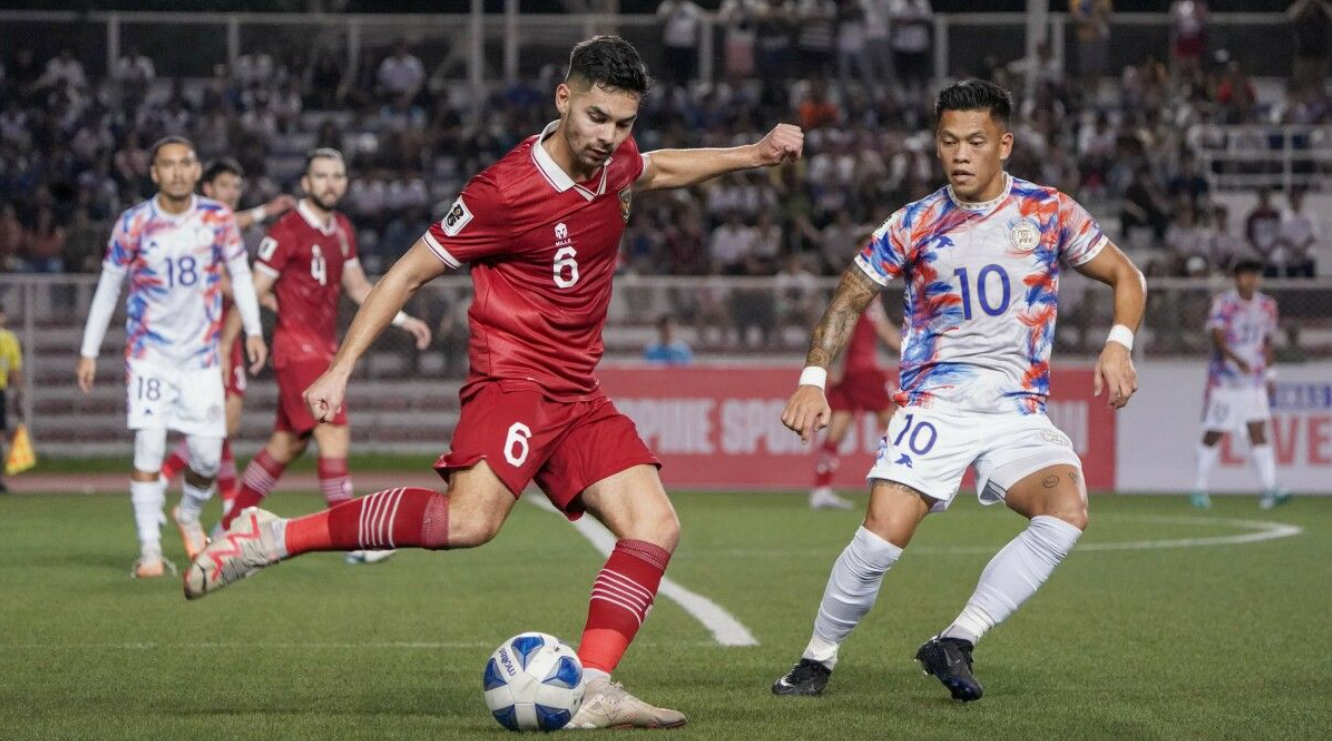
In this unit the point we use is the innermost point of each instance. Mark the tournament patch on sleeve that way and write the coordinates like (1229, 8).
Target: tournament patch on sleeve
(457, 218)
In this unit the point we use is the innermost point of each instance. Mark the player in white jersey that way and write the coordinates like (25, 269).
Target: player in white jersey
(173, 248)
(1242, 323)
(981, 261)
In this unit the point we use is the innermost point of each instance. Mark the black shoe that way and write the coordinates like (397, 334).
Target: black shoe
(949, 659)
(808, 678)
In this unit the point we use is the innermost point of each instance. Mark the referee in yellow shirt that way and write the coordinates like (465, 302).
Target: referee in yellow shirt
(11, 375)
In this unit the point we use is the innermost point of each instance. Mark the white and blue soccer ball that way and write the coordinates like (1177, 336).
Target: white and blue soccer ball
(533, 682)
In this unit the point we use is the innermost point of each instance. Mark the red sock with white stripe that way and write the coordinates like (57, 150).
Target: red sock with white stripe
(334, 480)
(226, 476)
(395, 518)
(826, 465)
(621, 599)
(176, 462)
(260, 477)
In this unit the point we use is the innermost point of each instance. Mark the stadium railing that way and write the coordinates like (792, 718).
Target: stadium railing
(404, 400)
(493, 47)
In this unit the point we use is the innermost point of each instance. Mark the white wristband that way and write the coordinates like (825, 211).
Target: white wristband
(400, 319)
(1121, 334)
(1271, 374)
(258, 213)
(814, 376)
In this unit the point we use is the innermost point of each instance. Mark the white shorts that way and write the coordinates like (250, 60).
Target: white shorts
(1229, 410)
(930, 450)
(187, 401)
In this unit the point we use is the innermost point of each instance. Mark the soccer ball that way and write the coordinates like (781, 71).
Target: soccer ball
(533, 682)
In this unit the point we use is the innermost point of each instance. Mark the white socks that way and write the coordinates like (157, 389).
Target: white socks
(851, 591)
(1206, 459)
(1264, 462)
(193, 499)
(148, 498)
(1013, 575)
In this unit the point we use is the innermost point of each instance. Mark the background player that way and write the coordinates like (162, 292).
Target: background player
(307, 260)
(541, 229)
(980, 259)
(1242, 323)
(172, 247)
(11, 377)
(859, 384)
(224, 181)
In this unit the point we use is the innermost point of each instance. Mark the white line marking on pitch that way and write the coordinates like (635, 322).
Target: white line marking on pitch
(725, 629)
(1259, 531)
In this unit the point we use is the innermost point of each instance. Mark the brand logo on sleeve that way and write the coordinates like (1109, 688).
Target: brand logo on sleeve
(457, 218)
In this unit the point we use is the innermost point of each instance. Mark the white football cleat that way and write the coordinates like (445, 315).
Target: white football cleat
(359, 557)
(824, 498)
(254, 540)
(191, 533)
(150, 564)
(606, 704)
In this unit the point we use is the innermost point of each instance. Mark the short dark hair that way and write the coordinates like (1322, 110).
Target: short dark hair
(322, 153)
(611, 62)
(1248, 266)
(970, 95)
(164, 141)
(221, 166)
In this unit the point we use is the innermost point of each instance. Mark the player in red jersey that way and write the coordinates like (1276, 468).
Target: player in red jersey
(224, 180)
(307, 260)
(541, 229)
(858, 384)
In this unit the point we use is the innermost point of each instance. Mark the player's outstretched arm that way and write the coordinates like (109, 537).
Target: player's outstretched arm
(680, 168)
(358, 288)
(416, 268)
(1114, 369)
(807, 412)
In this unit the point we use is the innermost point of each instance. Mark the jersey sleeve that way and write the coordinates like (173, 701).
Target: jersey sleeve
(1216, 316)
(123, 245)
(274, 251)
(475, 226)
(347, 238)
(1080, 237)
(885, 257)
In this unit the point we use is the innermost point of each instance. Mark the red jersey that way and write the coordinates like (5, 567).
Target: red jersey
(543, 250)
(307, 259)
(862, 352)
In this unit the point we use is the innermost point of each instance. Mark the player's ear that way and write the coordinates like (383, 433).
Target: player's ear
(562, 95)
(1006, 145)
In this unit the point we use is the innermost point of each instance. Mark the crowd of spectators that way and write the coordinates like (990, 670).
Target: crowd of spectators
(853, 73)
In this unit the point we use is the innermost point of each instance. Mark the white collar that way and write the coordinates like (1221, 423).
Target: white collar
(194, 203)
(555, 175)
(988, 205)
(313, 220)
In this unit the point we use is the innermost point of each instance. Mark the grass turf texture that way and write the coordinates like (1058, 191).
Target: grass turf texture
(1201, 643)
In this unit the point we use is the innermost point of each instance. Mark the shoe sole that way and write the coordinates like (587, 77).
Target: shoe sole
(795, 692)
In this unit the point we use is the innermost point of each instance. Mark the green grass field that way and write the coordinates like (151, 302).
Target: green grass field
(1200, 642)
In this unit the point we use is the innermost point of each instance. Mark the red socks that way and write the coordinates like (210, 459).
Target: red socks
(621, 599)
(176, 462)
(395, 518)
(226, 475)
(826, 465)
(260, 478)
(334, 480)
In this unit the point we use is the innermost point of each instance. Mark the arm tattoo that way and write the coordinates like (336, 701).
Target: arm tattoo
(853, 294)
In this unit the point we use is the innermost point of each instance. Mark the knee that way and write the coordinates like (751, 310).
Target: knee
(665, 531)
(469, 528)
(1074, 513)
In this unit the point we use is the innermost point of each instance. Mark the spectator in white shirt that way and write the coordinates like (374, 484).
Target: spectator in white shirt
(910, 26)
(681, 22)
(63, 70)
(731, 245)
(400, 75)
(1299, 237)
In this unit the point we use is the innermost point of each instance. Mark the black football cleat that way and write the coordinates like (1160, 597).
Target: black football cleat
(808, 678)
(949, 660)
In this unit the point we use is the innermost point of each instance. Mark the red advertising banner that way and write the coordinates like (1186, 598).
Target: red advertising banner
(720, 426)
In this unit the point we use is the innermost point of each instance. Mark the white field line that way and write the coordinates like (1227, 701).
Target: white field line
(1259, 531)
(725, 629)
(316, 645)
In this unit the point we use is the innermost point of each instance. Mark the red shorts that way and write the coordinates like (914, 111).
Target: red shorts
(293, 379)
(860, 391)
(236, 379)
(565, 446)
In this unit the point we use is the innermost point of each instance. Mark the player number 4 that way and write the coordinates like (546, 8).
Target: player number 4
(515, 445)
(566, 267)
(318, 266)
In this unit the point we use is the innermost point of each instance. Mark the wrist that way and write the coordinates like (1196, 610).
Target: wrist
(1122, 335)
(401, 318)
(815, 376)
(259, 213)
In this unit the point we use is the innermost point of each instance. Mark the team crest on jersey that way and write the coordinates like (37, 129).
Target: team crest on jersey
(626, 200)
(204, 236)
(1024, 236)
(456, 219)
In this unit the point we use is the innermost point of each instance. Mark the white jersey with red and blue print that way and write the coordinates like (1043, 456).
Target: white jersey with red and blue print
(174, 263)
(1247, 325)
(982, 284)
